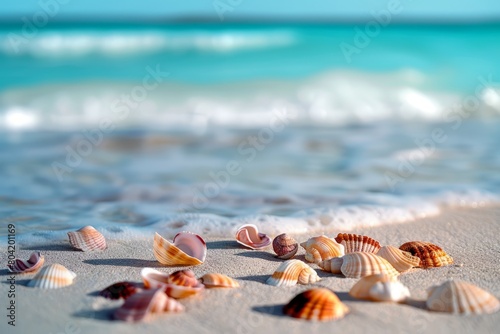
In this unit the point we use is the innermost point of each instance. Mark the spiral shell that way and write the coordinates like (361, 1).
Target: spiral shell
(292, 272)
(316, 304)
(285, 246)
(31, 265)
(402, 261)
(180, 284)
(87, 239)
(187, 249)
(380, 288)
(52, 277)
(322, 248)
(120, 290)
(359, 264)
(357, 243)
(249, 236)
(218, 281)
(430, 255)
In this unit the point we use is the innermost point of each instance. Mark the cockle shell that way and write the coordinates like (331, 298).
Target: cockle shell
(461, 298)
(87, 239)
(430, 255)
(359, 264)
(292, 272)
(380, 288)
(52, 277)
(187, 249)
(316, 304)
(285, 246)
(402, 261)
(180, 284)
(31, 265)
(120, 290)
(218, 281)
(357, 243)
(249, 236)
(142, 305)
(322, 248)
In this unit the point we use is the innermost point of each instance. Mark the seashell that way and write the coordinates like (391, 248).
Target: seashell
(402, 261)
(142, 305)
(120, 290)
(357, 243)
(183, 278)
(359, 264)
(180, 284)
(187, 249)
(430, 255)
(52, 277)
(460, 297)
(31, 265)
(380, 288)
(285, 246)
(248, 236)
(218, 281)
(322, 248)
(316, 304)
(292, 272)
(87, 239)
(332, 265)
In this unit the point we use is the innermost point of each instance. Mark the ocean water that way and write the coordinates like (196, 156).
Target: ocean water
(200, 127)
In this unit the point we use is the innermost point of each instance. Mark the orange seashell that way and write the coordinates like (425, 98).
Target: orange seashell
(359, 264)
(292, 272)
(183, 278)
(402, 261)
(357, 243)
(52, 277)
(248, 236)
(430, 255)
(322, 248)
(187, 249)
(87, 239)
(31, 265)
(218, 281)
(380, 288)
(316, 304)
(172, 285)
(285, 246)
(120, 290)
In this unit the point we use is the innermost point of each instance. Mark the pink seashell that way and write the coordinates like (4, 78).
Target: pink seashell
(87, 239)
(120, 290)
(31, 265)
(174, 285)
(248, 236)
(187, 249)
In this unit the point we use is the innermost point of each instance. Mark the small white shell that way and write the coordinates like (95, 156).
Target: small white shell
(322, 248)
(52, 277)
(292, 272)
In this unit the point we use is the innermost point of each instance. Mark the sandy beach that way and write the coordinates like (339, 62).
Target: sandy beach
(470, 236)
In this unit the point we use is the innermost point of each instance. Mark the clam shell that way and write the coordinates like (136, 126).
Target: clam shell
(186, 249)
(285, 246)
(381, 288)
(402, 261)
(154, 279)
(87, 239)
(322, 248)
(460, 297)
(292, 272)
(31, 265)
(430, 255)
(142, 305)
(357, 243)
(120, 290)
(249, 236)
(359, 264)
(316, 304)
(218, 281)
(52, 277)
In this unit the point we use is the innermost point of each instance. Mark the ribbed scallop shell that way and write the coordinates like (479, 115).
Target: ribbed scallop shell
(359, 264)
(52, 277)
(120, 290)
(142, 305)
(87, 239)
(357, 243)
(249, 236)
(285, 246)
(218, 281)
(381, 288)
(461, 298)
(402, 261)
(430, 255)
(322, 248)
(154, 279)
(183, 278)
(316, 304)
(292, 272)
(187, 249)
(31, 265)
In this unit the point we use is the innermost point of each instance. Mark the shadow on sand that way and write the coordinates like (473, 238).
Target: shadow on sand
(125, 262)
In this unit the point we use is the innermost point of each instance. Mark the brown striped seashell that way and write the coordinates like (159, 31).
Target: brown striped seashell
(248, 236)
(187, 249)
(460, 297)
(430, 255)
(359, 264)
(322, 248)
(380, 288)
(357, 243)
(292, 272)
(402, 261)
(120, 290)
(172, 285)
(332, 265)
(316, 304)
(142, 305)
(218, 281)
(285, 246)
(52, 277)
(31, 265)
(87, 239)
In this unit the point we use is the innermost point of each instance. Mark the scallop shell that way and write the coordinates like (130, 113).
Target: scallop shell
(186, 249)
(461, 298)
(142, 305)
(218, 281)
(322, 248)
(285, 246)
(292, 272)
(316, 304)
(87, 239)
(357, 243)
(52, 277)
(380, 288)
(402, 261)
(359, 264)
(172, 285)
(430, 255)
(120, 290)
(31, 265)
(248, 236)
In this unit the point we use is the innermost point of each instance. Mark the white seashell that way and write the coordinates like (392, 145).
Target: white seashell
(292, 272)
(322, 248)
(389, 292)
(402, 261)
(87, 239)
(249, 236)
(52, 277)
(359, 264)
(31, 265)
(187, 249)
